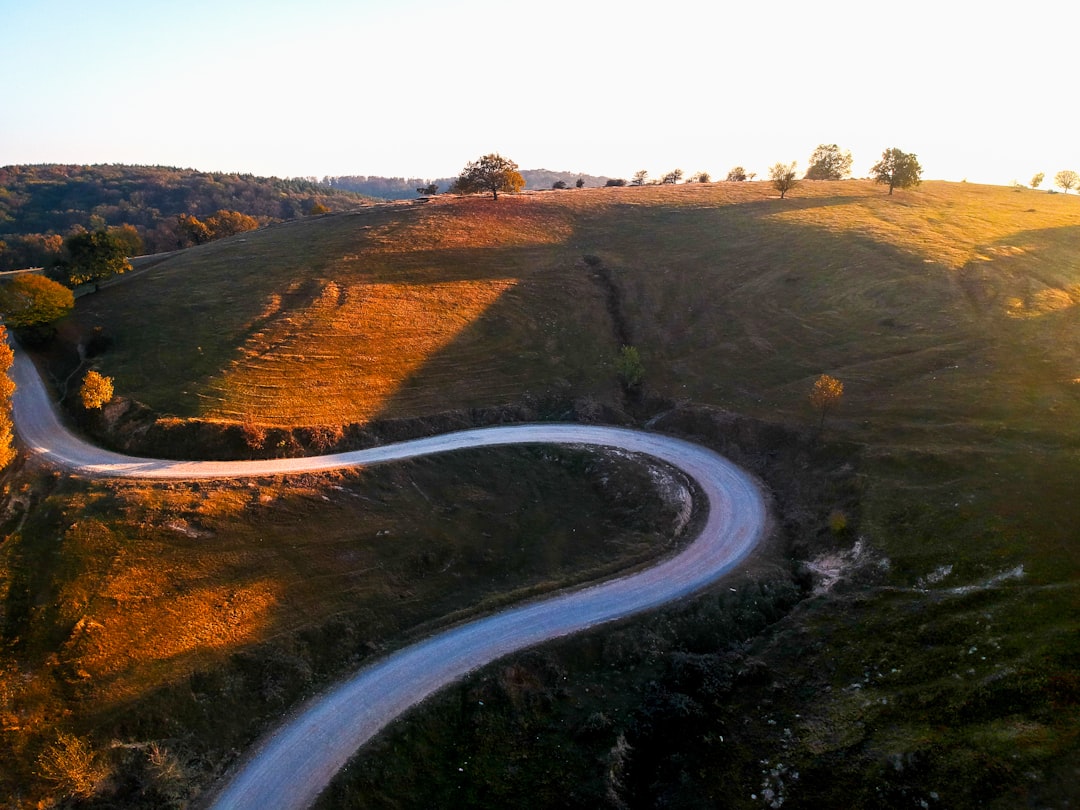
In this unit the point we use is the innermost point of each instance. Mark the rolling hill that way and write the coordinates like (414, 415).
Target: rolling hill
(931, 652)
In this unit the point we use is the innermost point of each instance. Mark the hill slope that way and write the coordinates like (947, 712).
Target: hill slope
(941, 668)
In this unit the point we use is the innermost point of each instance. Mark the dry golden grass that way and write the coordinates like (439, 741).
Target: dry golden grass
(341, 358)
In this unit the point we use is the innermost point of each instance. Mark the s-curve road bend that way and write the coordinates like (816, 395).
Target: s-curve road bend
(295, 762)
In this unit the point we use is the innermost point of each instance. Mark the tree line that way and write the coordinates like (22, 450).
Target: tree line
(41, 205)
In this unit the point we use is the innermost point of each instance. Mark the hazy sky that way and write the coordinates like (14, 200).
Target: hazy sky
(419, 87)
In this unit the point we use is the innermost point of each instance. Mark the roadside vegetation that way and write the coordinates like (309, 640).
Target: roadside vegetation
(913, 640)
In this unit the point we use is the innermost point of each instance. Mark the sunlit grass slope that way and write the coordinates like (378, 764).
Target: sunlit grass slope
(952, 299)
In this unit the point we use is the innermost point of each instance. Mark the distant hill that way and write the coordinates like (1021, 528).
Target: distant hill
(40, 204)
(402, 188)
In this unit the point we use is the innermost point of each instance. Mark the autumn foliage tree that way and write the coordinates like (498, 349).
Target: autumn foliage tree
(1067, 179)
(31, 300)
(96, 390)
(825, 395)
(492, 173)
(7, 388)
(218, 225)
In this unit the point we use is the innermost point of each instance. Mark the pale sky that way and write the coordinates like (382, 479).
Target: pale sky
(419, 87)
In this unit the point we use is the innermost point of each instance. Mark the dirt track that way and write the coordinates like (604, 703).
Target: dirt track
(295, 763)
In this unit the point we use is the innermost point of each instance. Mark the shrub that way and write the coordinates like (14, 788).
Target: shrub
(73, 767)
(7, 388)
(96, 390)
(837, 521)
(615, 182)
(629, 367)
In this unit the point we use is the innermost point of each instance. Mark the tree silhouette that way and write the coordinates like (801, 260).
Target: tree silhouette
(897, 169)
(492, 173)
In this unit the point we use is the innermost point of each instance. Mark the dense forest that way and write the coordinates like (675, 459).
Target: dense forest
(402, 188)
(41, 205)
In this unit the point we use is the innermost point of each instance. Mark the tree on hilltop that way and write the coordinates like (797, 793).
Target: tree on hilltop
(736, 175)
(1036, 181)
(1067, 179)
(897, 169)
(829, 163)
(639, 178)
(784, 177)
(492, 173)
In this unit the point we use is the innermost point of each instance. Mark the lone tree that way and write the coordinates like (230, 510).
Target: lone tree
(94, 257)
(672, 177)
(1036, 181)
(639, 178)
(1067, 179)
(96, 391)
(31, 300)
(829, 163)
(580, 183)
(430, 190)
(897, 169)
(784, 178)
(736, 175)
(559, 185)
(492, 173)
(826, 394)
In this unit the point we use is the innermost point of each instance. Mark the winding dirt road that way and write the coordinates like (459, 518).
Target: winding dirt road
(292, 766)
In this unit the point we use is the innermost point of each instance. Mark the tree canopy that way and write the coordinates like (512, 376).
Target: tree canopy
(93, 257)
(736, 175)
(825, 395)
(897, 169)
(1067, 179)
(784, 177)
(96, 390)
(492, 173)
(7, 388)
(33, 300)
(829, 163)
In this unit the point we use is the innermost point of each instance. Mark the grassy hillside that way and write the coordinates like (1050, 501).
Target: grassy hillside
(942, 666)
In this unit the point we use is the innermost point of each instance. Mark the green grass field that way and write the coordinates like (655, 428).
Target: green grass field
(943, 664)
